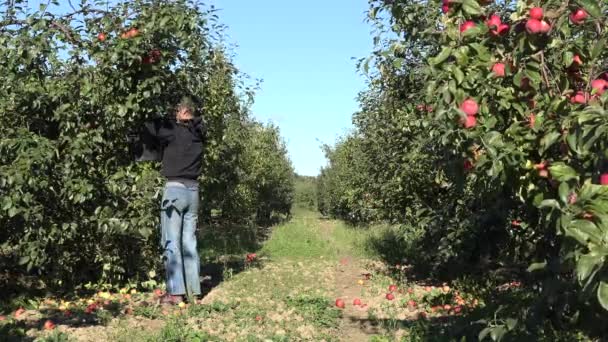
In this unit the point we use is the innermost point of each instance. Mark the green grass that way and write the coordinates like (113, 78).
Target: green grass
(306, 236)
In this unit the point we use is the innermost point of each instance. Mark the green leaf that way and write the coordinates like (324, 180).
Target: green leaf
(24, 260)
(598, 48)
(562, 172)
(537, 266)
(511, 323)
(602, 294)
(458, 74)
(586, 264)
(568, 58)
(442, 56)
(549, 203)
(483, 334)
(471, 7)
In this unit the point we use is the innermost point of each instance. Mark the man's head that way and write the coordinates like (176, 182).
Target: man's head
(185, 109)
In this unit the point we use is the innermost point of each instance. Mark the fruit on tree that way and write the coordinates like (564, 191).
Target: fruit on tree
(578, 17)
(468, 165)
(604, 179)
(576, 60)
(131, 33)
(469, 107)
(531, 120)
(541, 166)
(544, 27)
(543, 173)
(467, 25)
(599, 86)
(533, 26)
(469, 122)
(536, 13)
(496, 26)
(494, 22)
(101, 37)
(340, 303)
(498, 69)
(579, 98)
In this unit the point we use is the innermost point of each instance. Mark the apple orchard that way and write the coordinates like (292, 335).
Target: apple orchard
(484, 134)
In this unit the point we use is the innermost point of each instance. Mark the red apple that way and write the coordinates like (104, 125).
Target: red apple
(494, 22)
(469, 107)
(501, 30)
(572, 197)
(19, 312)
(390, 296)
(2, 318)
(468, 165)
(49, 325)
(531, 120)
(541, 166)
(499, 69)
(536, 13)
(258, 318)
(599, 86)
(91, 308)
(544, 27)
(101, 37)
(357, 301)
(604, 179)
(458, 309)
(447, 307)
(340, 303)
(445, 8)
(576, 60)
(411, 303)
(428, 288)
(533, 26)
(392, 288)
(578, 17)
(543, 173)
(579, 98)
(158, 292)
(467, 25)
(130, 33)
(515, 223)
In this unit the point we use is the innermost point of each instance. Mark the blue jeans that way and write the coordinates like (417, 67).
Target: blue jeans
(178, 219)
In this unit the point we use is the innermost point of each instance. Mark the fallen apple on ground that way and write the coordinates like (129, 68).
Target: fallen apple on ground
(49, 325)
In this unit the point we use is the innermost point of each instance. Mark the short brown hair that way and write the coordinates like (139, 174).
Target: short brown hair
(186, 102)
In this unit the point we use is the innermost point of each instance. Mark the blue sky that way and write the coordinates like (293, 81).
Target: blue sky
(302, 50)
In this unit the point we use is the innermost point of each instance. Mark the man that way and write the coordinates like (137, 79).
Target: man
(178, 143)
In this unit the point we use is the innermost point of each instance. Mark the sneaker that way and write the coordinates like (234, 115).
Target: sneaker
(171, 299)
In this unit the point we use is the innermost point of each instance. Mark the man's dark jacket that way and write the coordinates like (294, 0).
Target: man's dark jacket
(178, 145)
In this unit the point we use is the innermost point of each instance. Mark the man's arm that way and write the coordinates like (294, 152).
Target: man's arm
(150, 139)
